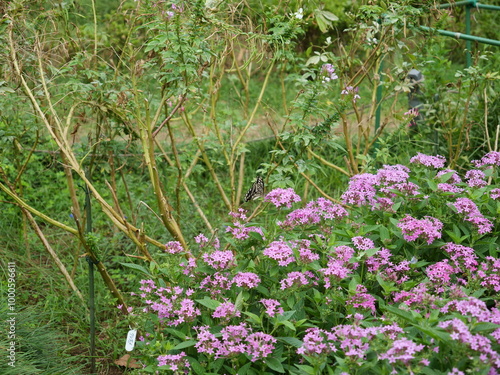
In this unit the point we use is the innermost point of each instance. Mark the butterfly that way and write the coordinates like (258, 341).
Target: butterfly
(256, 191)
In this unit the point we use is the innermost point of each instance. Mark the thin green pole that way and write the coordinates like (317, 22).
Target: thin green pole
(468, 43)
(379, 96)
(473, 38)
(88, 229)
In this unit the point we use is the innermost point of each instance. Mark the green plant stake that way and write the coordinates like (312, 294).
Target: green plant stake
(88, 231)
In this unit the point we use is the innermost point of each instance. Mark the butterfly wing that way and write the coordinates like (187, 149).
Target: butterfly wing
(256, 191)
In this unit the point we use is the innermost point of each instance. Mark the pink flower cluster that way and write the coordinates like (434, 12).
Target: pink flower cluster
(428, 228)
(226, 311)
(176, 362)
(389, 180)
(353, 340)
(475, 178)
(298, 279)
(235, 340)
(339, 265)
(473, 215)
(283, 252)
(220, 260)
(171, 304)
(272, 306)
(240, 231)
(450, 180)
(174, 247)
(490, 159)
(389, 271)
(246, 280)
(463, 258)
(313, 213)
(473, 342)
(362, 299)
(403, 350)
(428, 160)
(282, 197)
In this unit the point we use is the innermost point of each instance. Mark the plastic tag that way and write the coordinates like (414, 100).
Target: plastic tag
(129, 345)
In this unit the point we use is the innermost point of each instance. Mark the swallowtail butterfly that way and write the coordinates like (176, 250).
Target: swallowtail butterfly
(256, 191)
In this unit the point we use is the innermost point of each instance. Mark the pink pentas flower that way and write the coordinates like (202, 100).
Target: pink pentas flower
(201, 239)
(459, 332)
(314, 212)
(170, 304)
(296, 280)
(216, 284)
(495, 194)
(378, 260)
(226, 311)
(472, 308)
(393, 174)
(490, 159)
(335, 271)
(402, 350)
(177, 362)
(240, 214)
(259, 345)
(417, 297)
(174, 247)
(462, 257)
(219, 259)
(449, 188)
(246, 280)
(428, 228)
(475, 178)
(242, 232)
(280, 251)
(282, 197)
(429, 161)
(272, 306)
(361, 189)
(362, 299)
(488, 273)
(363, 243)
(466, 206)
(482, 224)
(440, 273)
(316, 342)
(188, 267)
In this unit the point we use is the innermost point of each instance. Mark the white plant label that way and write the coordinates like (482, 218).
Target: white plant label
(129, 345)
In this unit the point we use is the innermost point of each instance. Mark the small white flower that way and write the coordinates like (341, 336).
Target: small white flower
(299, 14)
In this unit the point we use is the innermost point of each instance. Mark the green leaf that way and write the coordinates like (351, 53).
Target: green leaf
(435, 333)
(285, 316)
(293, 341)
(176, 332)
(329, 15)
(244, 369)
(239, 301)
(275, 364)
(207, 302)
(288, 324)
(255, 318)
(401, 313)
(185, 344)
(479, 327)
(136, 267)
(196, 366)
(306, 369)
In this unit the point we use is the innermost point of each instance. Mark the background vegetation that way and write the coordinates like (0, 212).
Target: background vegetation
(166, 111)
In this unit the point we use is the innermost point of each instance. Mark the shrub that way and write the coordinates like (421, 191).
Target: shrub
(400, 278)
